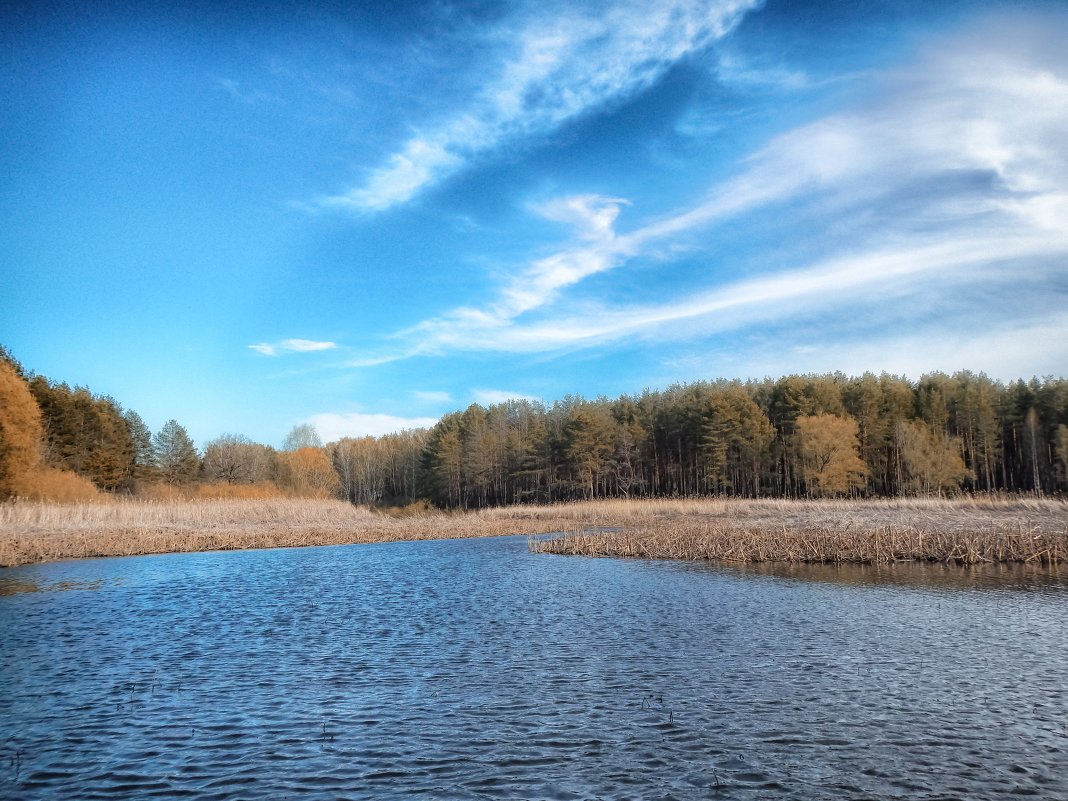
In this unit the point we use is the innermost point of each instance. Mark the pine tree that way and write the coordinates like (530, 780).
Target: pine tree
(144, 454)
(176, 456)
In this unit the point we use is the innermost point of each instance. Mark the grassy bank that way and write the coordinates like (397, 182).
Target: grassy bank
(42, 532)
(963, 531)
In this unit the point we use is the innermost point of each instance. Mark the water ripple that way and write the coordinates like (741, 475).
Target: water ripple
(473, 670)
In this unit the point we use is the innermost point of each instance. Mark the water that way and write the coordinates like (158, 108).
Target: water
(474, 670)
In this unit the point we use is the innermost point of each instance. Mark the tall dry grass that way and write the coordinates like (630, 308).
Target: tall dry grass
(960, 531)
(965, 530)
(39, 532)
(46, 484)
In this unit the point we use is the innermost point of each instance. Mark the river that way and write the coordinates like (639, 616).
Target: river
(471, 669)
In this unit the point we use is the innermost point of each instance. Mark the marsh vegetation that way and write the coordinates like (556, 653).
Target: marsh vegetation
(40, 532)
(963, 530)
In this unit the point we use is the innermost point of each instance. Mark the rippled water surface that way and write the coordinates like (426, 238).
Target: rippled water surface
(472, 669)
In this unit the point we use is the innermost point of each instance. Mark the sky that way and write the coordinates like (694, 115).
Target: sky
(365, 215)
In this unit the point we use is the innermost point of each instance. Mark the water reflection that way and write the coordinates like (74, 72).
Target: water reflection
(13, 586)
(474, 670)
(993, 577)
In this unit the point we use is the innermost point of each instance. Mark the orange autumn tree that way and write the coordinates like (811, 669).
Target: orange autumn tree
(308, 473)
(20, 430)
(21, 472)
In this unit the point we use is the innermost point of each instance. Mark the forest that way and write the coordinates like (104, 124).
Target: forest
(797, 436)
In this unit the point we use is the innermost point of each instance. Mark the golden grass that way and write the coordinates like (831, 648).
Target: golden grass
(958, 531)
(967, 530)
(48, 484)
(41, 532)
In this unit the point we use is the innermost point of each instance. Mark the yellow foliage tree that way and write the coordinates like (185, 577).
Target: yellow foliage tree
(21, 473)
(20, 430)
(829, 454)
(932, 459)
(308, 473)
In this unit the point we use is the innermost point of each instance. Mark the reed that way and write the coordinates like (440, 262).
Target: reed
(966, 530)
(41, 532)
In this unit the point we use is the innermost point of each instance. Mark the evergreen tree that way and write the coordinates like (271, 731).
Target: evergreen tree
(736, 437)
(85, 433)
(176, 456)
(588, 439)
(144, 461)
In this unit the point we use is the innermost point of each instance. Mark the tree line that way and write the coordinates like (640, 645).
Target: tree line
(59, 442)
(797, 436)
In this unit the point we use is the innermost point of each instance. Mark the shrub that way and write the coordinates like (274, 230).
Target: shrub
(60, 486)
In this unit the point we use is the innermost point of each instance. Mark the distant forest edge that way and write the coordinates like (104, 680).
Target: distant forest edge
(797, 436)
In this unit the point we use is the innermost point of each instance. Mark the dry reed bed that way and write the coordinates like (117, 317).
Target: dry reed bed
(42, 532)
(965, 530)
(961, 531)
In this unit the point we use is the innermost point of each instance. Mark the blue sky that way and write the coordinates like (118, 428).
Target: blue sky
(363, 217)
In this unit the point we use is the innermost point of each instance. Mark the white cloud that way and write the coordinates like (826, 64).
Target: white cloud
(555, 67)
(306, 345)
(490, 397)
(332, 426)
(1005, 350)
(917, 275)
(592, 216)
(732, 69)
(982, 107)
(420, 162)
(292, 346)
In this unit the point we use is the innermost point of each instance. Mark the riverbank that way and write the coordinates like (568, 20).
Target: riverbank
(965, 531)
(33, 532)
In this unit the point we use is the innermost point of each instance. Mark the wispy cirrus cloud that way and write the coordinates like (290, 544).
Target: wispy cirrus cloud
(916, 276)
(591, 216)
(1004, 349)
(291, 346)
(555, 66)
(953, 174)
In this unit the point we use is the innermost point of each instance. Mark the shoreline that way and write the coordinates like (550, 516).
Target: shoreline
(966, 530)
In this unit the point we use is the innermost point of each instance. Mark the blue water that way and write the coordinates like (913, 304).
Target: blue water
(471, 669)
